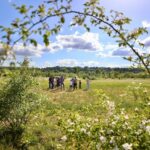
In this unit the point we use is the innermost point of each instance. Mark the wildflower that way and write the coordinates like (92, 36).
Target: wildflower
(113, 123)
(89, 133)
(96, 120)
(136, 109)
(127, 146)
(112, 141)
(64, 138)
(145, 91)
(87, 125)
(98, 146)
(102, 139)
(110, 131)
(70, 122)
(126, 117)
(116, 148)
(148, 129)
(83, 130)
(116, 117)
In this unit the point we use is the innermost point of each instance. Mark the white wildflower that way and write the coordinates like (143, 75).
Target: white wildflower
(64, 138)
(112, 140)
(116, 117)
(126, 117)
(89, 133)
(83, 130)
(87, 125)
(127, 146)
(148, 129)
(102, 139)
(70, 122)
(113, 123)
(116, 148)
(96, 120)
(98, 146)
(109, 131)
(138, 132)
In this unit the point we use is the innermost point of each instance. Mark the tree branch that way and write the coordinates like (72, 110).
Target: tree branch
(95, 17)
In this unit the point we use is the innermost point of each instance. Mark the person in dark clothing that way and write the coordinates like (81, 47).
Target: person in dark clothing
(50, 82)
(58, 82)
(75, 83)
(80, 84)
(62, 82)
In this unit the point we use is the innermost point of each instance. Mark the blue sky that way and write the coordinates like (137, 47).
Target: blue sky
(76, 47)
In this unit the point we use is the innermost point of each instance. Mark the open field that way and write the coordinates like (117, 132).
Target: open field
(48, 129)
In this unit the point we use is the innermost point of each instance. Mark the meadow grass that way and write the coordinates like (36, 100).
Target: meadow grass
(43, 131)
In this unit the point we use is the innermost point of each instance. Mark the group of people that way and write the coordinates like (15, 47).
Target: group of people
(58, 82)
(74, 83)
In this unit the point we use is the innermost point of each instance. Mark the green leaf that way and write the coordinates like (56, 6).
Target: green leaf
(45, 40)
(23, 9)
(48, 33)
(34, 42)
(62, 19)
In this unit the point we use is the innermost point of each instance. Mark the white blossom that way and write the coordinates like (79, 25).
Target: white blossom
(112, 140)
(148, 129)
(64, 138)
(127, 146)
(126, 117)
(83, 130)
(102, 139)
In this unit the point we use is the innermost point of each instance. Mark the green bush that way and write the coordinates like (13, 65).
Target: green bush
(17, 101)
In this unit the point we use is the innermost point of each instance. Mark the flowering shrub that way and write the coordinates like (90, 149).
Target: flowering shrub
(117, 130)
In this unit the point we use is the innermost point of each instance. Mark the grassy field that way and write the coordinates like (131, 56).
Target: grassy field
(44, 131)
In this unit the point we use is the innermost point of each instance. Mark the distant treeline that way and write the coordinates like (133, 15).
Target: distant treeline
(82, 72)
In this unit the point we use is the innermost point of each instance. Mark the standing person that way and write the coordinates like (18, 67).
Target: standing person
(55, 82)
(62, 82)
(58, 82)
(75, 83)
(71, 84)
(80, 83)
(87, 84)
(50, 82)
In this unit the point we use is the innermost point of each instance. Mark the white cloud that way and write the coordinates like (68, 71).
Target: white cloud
(30, 50)
(72, 63)
(90, 63)
(113, 50)
(145, 24)
(76, 41)
(87, 41)
(121, 52)
(146, 42)
(67, 62)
